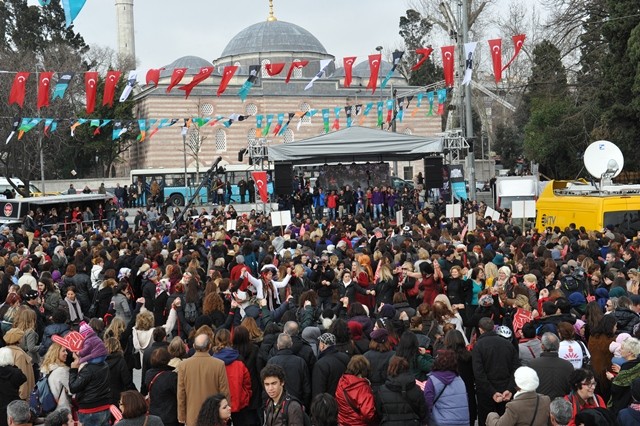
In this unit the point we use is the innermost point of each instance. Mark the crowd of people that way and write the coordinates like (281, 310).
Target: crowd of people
(352, 320)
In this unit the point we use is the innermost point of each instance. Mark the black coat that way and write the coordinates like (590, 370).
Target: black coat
(400, 402)
(146, 361)
(50, 330)
(553, 374)
(329, 368)
(11, 378)
(495, 359)
(296, 374)
(120, 378)
(378, 362)
(163, 394)
(267, 350)
(626, 320)
(91, 385)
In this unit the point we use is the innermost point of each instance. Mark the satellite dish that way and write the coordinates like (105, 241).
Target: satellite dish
(603, 157)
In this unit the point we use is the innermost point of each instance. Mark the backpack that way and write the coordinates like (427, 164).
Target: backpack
(285, 410)
(41, 400)
(191, 312)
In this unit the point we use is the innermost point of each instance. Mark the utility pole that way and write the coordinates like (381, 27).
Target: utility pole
(468, 125)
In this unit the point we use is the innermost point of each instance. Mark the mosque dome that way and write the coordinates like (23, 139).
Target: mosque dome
(362, 69)
(273, 36)
(192, 63)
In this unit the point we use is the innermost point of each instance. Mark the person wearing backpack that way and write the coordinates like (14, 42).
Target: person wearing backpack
(281, 409)
(54, 367)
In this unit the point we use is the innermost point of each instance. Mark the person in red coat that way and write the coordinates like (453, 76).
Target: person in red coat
(356, 404)
(237, 375)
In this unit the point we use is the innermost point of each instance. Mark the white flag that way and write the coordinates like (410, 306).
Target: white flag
(469, 48)
(131, 81)
(324, 63)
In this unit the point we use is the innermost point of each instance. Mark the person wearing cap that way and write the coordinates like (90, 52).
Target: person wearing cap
(330, 366)
(378, 355)
(13, 339)
(527, 406)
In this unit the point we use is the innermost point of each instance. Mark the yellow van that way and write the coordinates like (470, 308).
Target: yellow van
(564, 202)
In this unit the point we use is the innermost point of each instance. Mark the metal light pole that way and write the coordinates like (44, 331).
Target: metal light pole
(467, 106)
(185, 129)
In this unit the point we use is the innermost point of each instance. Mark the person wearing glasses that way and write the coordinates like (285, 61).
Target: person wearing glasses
(582, 395)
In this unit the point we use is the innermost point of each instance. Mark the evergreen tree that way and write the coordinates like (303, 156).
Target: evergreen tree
(414, 29)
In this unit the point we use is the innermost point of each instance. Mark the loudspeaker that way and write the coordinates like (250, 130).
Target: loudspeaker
(433, 172)
(283, 176)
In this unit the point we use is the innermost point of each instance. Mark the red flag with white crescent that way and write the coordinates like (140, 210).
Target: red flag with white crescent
(91, 87)
(274, 69)
(18, 89)
(374, 66)
(44, 84)
(227, 75)
(110, 83)
(153, 76)
(295, 65)
(202, 75)
(176, 77)
(260, 179)
(496, 55)
(425, 51)
(348, 62)
(447, 64)
(518, 41)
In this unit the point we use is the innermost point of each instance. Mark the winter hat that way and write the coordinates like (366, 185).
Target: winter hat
(614, 347)
(56, 276)
(124, 272)
(576, 299)
(86, 330)
(617, 292)
(578, 326)
(355, 329)
(328, 339)
(526, 379)
(380, 335)
(13, 336)
(327, 318)
(310, 334)
(485, 301)
(387, 311)
(498, 260)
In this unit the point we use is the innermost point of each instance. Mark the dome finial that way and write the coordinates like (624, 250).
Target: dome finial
(271, 17)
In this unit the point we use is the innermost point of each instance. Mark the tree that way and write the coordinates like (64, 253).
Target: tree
(414, 29)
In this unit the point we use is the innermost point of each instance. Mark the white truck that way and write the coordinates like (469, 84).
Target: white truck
(516, 188)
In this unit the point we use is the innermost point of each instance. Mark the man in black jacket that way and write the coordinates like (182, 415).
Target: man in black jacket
(330, 366)
(494, 360)
(553, 372)
(296, 370)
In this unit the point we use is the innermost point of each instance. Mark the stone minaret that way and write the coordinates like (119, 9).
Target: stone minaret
(126, 36)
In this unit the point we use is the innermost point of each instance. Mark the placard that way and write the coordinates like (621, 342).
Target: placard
(281, 218)
(453, 210)
(522, 209)
(494, 215)
(399, 218)
(471, 222)
(231, 224)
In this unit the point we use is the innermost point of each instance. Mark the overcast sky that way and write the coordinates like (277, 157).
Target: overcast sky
(168, 29)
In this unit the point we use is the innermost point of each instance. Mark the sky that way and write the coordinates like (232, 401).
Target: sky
(168, 29)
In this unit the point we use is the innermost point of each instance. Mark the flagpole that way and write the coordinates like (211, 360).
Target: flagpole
(467, 107)
(40, 140)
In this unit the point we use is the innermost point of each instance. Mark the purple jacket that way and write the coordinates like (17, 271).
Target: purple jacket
(377, 197)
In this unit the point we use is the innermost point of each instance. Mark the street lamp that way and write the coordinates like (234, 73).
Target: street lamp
(185, 129)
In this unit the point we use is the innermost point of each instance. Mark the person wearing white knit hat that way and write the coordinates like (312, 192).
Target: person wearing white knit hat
(527, 406)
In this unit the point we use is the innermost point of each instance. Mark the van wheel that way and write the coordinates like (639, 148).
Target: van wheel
(176, 200)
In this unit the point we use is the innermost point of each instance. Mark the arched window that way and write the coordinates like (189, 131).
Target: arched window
(263, 69)
(297, 72)
(251, 136)
(288, 136)
(239, 65)
(251, 109)
(407, 131)
(221, 140)
(305, 107)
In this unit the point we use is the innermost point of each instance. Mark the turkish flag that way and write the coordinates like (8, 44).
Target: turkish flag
(176, 77)
(260, 178)
(348, 68)
(16, 96)
(274, 69)
(426, 51)
(374, 66)
(228, 73)
(91, 87)
(204, 73)
(518, 41)
(496, 56)
(110, 84)
(294, 65)
(153, 76)
(447, 64)
(44, 84)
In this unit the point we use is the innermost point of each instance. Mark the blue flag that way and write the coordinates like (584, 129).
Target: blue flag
(71, 9)
(63, 83)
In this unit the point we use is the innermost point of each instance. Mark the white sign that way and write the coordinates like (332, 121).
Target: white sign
(494, 215)
(281, 218)
(471, 222)
(523, 209)
(453, 210)
(399, 218)
(231, 224)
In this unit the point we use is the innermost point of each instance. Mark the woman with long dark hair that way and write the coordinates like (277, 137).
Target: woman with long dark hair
(215, 411)
(454, 341)
(420, 362)
(601, 337)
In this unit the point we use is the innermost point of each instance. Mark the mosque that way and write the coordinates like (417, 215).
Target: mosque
(267, 42)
